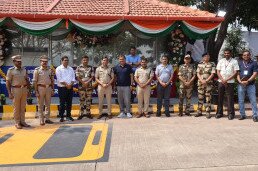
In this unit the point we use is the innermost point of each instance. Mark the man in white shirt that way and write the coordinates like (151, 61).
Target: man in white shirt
(227, 69)
(65, 79)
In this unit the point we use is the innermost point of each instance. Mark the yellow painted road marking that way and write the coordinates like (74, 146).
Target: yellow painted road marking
(24, 144)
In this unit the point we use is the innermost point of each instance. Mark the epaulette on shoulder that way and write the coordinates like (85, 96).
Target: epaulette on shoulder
(11, 68)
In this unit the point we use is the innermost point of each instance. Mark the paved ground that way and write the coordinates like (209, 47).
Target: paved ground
(176, 143)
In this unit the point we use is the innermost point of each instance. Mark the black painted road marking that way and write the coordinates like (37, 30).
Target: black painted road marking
(5, 138)
(66, 142)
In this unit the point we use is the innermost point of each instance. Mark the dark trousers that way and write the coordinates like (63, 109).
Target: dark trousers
(229, 90)
(163, 93)
(66, 98)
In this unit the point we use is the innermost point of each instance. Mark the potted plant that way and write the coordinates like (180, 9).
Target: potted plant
(2, 99)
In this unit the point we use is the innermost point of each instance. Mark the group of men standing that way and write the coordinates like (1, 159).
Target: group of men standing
(132, 68)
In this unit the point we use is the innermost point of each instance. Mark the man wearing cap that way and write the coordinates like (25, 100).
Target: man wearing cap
(104, 75)
(43, 79)
(186, 75)
(84, 74)
(143, 76)
(164, 73)
(17, 85)
(205, 73)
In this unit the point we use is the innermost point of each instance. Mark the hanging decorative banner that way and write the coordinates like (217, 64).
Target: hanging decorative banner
(199, 30)
(38, 28)
(157, 28)
(2, 20)
(97, 27)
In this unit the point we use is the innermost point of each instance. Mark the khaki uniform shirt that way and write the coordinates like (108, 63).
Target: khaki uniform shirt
(17, 77)
(143, 75)
(43, 76)
(84, 73)
(205, 70)
(104, 74)
(186, 72)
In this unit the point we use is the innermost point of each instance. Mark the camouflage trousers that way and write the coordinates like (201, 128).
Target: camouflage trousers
(185, 93)
(85, 101)
(204, 92)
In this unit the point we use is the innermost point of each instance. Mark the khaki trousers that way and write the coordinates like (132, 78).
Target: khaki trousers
(44, 99)
(19, 104)
(143, 95)
(101, 92)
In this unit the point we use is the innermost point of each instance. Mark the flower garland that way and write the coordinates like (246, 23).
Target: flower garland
(81, 40)
(176, 45)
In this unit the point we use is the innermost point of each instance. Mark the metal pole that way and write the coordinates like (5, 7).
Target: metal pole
(22, 44)
(50, 49)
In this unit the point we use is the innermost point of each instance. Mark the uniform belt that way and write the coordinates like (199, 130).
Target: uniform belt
(43, 85)
(19, 86)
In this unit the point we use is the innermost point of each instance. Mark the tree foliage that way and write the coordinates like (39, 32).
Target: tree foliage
(234, 40)
(243, 11)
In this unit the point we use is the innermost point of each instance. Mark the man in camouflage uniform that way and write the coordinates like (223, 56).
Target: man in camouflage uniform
(85, 74)
(43, 79)
(186, 75)
(17, 85)
(205, 73)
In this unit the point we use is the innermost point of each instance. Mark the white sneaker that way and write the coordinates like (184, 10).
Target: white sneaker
(121, 115)
(129, 115)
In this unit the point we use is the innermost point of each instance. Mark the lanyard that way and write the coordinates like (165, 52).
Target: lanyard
(245, 65)
(226, 64)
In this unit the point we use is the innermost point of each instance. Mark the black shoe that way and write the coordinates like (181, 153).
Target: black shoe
(180, 114)
(187, 114)
(208, 116)
(62, 120)
(100, 116)
(242, 118)
(80, 117)
(48, 121)
(69, 118)
(167, 115)
(255, 119)
(217, 116)
(89, 116)
(198, 114)
(158, 114)
(230, 117)
(110, 116)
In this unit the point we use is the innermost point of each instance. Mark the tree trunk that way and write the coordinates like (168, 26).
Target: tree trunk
(214, 45)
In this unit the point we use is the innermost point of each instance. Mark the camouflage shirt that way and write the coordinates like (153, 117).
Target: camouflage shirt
(205, 70)
(186, 72)
(84, 73)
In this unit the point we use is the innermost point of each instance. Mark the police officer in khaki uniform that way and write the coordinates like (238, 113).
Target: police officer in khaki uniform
(205, 72)
(186, 75)
(84, 74)
(43, 79)
(143, 76)
(104, 76)
(17, 85)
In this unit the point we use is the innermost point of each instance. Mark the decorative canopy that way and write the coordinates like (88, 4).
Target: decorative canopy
(151, 17)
